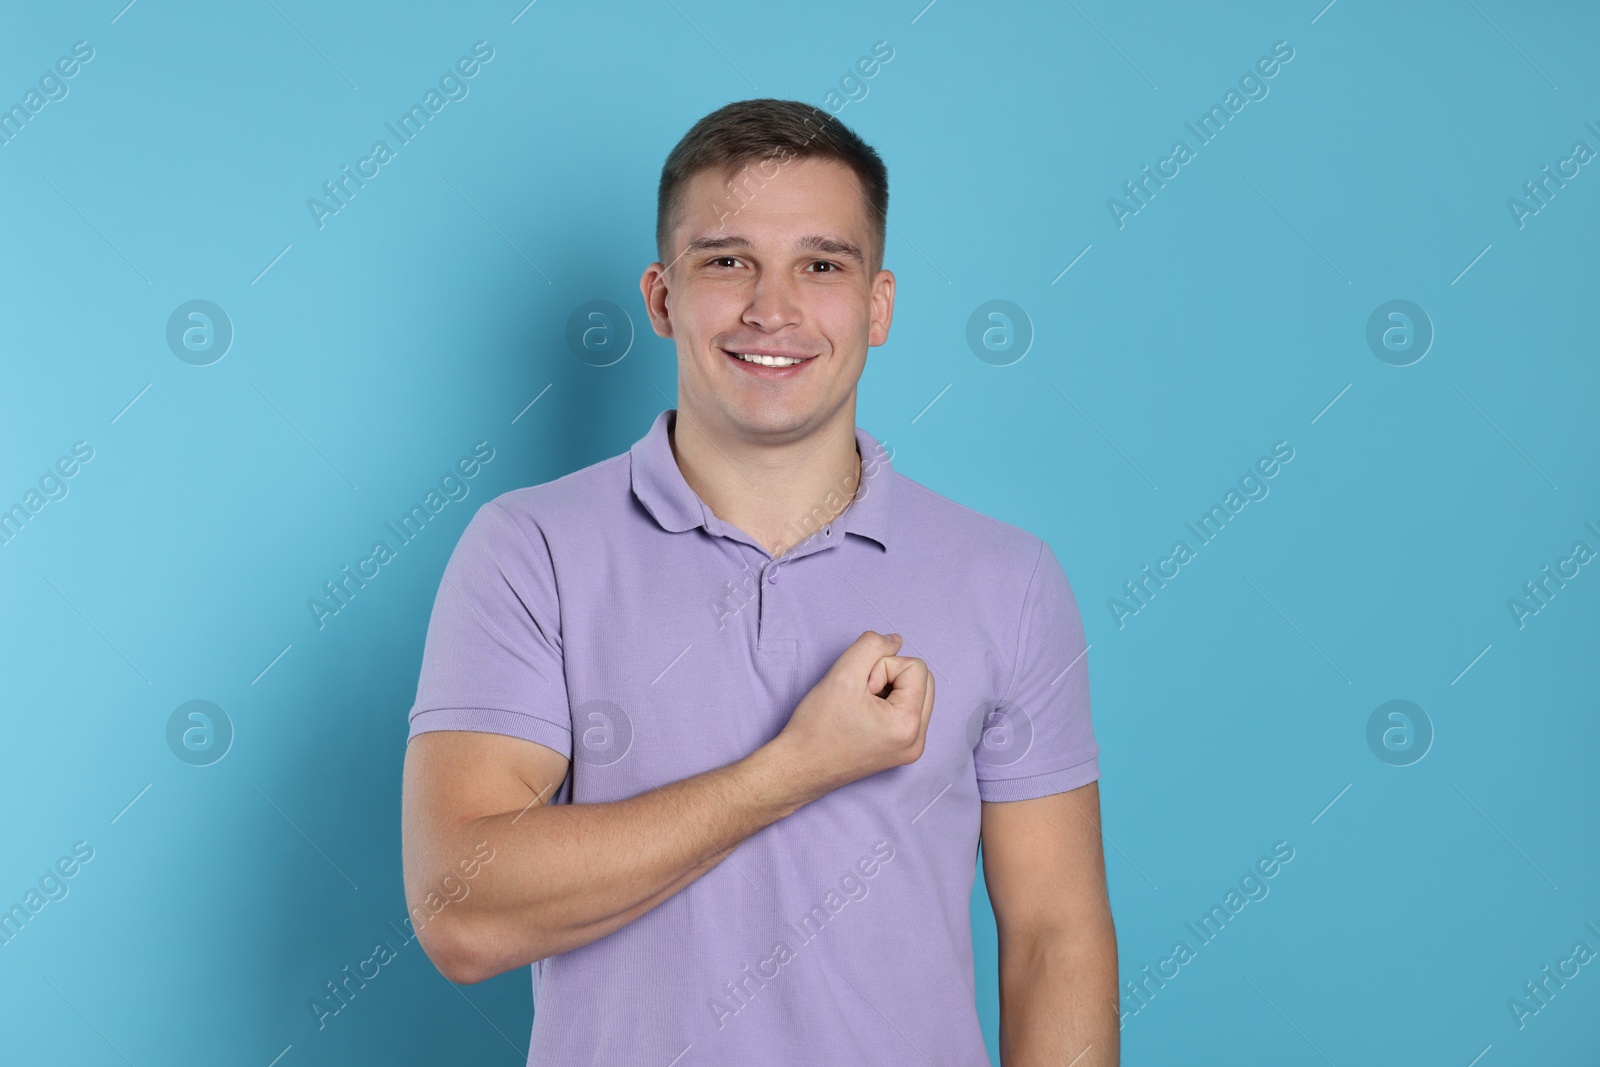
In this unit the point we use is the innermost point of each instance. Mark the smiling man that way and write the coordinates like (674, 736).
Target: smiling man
(735, 708)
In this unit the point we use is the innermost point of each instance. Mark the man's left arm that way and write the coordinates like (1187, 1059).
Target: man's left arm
(1045, 870)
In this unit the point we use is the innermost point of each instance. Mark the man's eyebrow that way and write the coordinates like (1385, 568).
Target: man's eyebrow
(834, 246)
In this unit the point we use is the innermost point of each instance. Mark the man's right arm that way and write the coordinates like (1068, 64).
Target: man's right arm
(564, 875)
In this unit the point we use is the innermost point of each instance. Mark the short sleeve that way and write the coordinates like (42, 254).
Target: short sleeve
(1038, 739)
(492, 660)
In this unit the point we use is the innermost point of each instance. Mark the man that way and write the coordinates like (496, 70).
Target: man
(671, 695)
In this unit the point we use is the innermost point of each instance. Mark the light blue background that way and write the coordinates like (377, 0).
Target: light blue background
(1228, 314)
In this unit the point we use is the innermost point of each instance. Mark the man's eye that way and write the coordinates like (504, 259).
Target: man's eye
(833, 268)
(725, 259)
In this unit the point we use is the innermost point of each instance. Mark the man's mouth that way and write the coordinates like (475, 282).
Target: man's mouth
(767, 359)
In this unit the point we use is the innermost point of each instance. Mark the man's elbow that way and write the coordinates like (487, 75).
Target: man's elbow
(463, 950)
(450, 951)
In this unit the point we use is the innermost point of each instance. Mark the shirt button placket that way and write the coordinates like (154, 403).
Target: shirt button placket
(769, 575)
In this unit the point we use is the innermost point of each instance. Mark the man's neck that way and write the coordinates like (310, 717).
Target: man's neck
(778, 494)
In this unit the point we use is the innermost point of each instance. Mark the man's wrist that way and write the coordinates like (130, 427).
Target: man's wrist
(780, 783)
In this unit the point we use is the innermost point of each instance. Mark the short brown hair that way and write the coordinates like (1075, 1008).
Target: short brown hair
(737, 134)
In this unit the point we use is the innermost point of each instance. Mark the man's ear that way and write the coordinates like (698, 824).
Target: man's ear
(651, 280)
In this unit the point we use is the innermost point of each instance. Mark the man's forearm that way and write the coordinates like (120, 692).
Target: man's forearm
(565, 875)
(1058, 1000)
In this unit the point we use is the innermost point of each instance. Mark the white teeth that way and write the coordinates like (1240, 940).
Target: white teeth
(768, 361)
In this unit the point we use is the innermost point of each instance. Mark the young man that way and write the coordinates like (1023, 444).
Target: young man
(731, 818)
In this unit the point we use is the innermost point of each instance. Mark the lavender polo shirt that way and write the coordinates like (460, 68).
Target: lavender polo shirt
(610, 616)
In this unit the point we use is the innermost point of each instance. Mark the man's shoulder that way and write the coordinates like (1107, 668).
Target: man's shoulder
(943, 527)
(588, 494)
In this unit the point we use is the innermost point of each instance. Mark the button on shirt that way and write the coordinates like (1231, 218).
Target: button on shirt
(610, 616)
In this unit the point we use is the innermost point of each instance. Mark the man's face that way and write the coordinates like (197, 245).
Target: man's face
(782, 268)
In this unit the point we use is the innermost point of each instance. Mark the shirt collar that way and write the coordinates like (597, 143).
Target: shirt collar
(660, 486)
